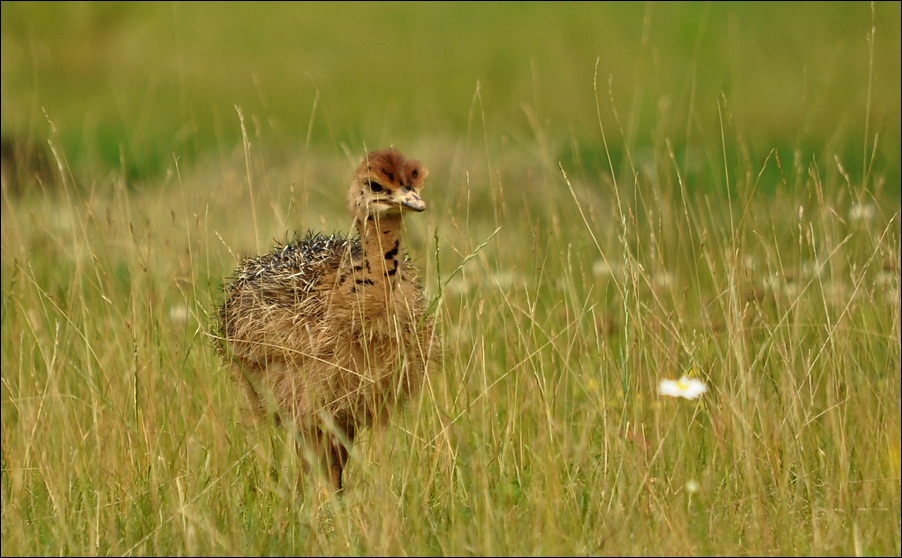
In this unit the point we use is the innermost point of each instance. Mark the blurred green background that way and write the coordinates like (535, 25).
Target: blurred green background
(130, 86)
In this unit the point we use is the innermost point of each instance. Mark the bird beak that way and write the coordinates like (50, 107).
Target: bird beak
(411, 200)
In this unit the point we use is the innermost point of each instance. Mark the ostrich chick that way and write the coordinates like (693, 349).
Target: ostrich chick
(330, 333)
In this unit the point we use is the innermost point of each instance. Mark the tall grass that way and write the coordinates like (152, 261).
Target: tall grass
(565, 289)
(541, 433)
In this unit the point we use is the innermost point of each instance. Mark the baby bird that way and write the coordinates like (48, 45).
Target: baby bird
(331, 333)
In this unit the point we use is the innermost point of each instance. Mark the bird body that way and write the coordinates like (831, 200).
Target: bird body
(331, 333)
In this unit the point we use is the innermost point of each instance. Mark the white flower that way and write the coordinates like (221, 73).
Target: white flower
(603, 268)
(687, 387)
(692, 486)
(862, 212)
(178, 314)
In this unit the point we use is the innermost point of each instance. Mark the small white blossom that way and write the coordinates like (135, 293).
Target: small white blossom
(663, 279)
(178, 314)
(862, 212)
(687, 387)
(692, 486)
(603, 268)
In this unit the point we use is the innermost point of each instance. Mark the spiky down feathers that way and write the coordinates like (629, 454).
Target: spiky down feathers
(321, 336)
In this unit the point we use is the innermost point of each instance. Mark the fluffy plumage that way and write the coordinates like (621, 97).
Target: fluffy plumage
(331, 333)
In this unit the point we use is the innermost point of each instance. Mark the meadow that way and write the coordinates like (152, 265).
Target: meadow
(618, 195)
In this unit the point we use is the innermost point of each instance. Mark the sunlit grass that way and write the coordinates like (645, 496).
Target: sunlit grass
(541, 433)
(566, 288)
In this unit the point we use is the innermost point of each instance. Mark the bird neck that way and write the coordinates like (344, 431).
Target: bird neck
(380, 237)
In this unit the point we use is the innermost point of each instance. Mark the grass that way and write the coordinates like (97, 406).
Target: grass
(566, 288)
(130, 84)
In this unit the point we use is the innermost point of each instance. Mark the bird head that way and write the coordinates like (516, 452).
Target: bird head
(386, 183)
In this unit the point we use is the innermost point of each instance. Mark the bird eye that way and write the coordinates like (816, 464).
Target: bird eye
(374, 186)
(415, 173)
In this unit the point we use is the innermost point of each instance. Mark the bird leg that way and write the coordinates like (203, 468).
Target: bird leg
(331, 446)
(341, 441)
